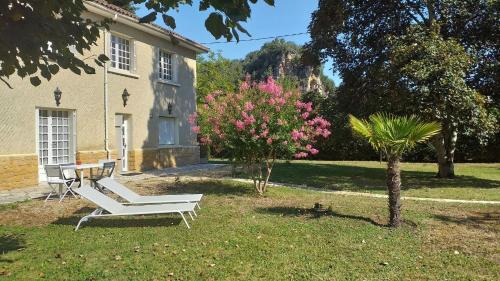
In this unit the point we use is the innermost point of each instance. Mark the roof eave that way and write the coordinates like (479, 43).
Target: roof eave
(148, 28)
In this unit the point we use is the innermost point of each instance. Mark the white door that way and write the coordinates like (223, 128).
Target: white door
(55, 139)
(124, 144)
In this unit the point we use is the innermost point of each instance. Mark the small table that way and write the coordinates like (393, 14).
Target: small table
(81, 167)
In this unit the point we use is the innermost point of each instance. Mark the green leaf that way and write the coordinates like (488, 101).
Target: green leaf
(169, 21)
(75, 69)
(269, 2)
(148, 18)
(54, 68)
(103, 58)
(215, 25)
(35, 81)
(99, 63)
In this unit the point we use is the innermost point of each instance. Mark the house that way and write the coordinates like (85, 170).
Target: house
(134, 109)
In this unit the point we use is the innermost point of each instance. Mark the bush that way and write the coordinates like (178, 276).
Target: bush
(259, 124)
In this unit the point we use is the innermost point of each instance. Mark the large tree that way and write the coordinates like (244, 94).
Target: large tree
(35, 36)
(365, 37)
(216, 73)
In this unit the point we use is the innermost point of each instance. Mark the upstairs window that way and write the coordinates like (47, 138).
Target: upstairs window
(165, 67)
(121, 53)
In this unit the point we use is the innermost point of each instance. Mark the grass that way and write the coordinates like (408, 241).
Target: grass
(473, 181)
(239, 236)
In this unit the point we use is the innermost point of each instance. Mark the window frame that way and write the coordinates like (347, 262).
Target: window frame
(162, 66)
(131, 52)
(175, 136)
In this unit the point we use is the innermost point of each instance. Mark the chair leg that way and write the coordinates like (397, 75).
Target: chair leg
(64, 195)
(191, 216)
(195, 213)
(48, 196)
(185, 221)
(84, 219)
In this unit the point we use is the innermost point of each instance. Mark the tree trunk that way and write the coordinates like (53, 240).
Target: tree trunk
(445, 144)
(394, 190)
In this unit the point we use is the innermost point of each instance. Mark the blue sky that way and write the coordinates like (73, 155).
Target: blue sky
(286, 17)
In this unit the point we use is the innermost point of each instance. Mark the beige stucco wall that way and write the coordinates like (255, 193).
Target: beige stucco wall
(85, 94)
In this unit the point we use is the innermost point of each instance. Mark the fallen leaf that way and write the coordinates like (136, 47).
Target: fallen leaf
(117, 258)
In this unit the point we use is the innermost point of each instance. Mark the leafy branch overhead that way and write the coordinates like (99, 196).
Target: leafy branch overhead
(38, 38)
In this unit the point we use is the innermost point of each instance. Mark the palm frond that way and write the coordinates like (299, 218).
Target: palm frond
(394, 134)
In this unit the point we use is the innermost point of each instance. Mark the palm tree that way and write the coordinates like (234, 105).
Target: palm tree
(392, 136)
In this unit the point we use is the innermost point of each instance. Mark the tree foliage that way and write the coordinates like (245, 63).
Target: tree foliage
(216, 73)
(388, 55)
(37, 38)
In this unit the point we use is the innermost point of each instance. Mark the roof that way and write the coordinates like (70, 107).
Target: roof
(103, 4)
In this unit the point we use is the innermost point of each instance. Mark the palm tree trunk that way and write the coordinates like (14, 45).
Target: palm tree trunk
(394, 189)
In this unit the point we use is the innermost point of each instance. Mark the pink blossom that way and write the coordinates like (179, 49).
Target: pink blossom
(308, 147)
(277, 108)
(195, 129)
(301, 155)
(249, 120)
(269, 141)
(239, 125)
(264, 133)
(192, 118)
(205, 106)
(249, 106)
(285, 142)
(314, 151)
(308, 106)
(266, 118)
(244, 86)
(305, 115)
(209, 98)
(271, 101)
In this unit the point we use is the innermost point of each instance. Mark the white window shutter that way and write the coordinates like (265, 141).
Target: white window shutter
(73, 139)
(107, 43)
(156, 67)
(175, 67)
(134, 56)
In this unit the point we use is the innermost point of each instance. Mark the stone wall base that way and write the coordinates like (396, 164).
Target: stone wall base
(18, 170)
(21, 170)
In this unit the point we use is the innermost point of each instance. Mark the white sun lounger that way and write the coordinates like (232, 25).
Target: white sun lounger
(108, 207)
(135, 198)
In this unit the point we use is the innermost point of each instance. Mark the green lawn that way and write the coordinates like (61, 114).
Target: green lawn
(239, 236)
(473, 181)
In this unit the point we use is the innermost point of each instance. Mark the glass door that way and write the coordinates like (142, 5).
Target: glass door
(55, 138)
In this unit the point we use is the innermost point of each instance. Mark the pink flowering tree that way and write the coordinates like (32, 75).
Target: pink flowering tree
(258, 125)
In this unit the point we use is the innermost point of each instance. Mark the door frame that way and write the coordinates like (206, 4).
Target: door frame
(72, 136)
(124, 138)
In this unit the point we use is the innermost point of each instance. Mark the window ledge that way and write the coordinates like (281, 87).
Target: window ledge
(175, 146)
(123, 72)
(168, 82)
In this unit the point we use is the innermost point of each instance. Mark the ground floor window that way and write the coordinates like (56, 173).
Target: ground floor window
(167, 131)
(55, 137)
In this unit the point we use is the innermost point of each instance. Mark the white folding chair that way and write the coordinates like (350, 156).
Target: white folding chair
(55, 177)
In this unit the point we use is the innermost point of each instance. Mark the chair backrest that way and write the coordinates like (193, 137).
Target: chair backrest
(106, 169)
(68, 171)
(101, 200)
(53, 171)
(119, 189)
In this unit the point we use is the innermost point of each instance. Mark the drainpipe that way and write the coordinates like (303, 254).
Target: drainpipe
(106, 133)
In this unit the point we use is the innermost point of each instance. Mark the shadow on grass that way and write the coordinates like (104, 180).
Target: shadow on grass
(343, 176)
(311, 213)
(121, 222)
(484, 221)
(9, 243)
